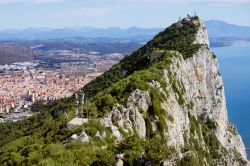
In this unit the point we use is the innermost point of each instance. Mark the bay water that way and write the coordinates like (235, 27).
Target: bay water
(234, 66)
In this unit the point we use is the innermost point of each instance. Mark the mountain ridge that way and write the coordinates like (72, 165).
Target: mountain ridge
(165, 100)
(223, 29)
(216, 28)
(206, 67)
(140, 57)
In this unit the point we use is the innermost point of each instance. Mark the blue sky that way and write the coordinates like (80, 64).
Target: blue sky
(117, 13)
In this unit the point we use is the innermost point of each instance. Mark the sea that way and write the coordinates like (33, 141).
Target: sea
(234, 66)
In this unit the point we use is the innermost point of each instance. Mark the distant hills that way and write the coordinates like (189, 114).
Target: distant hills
(21, 51)
(216, 29)
(134, 34)
(225, 34)
(10, 54)
(222, 29)
(16, 44)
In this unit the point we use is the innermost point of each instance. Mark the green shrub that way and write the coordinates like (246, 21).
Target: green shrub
(214, 56)
(131, 147)
(157, 150)
(105, 102)
(188, 161)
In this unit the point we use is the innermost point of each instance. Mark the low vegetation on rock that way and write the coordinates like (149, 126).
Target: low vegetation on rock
(147, 90)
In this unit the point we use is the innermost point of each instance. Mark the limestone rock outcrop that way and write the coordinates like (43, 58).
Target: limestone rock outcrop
(195, 102)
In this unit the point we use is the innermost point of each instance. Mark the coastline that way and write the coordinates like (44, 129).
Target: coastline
(248, 153)
(234, 66)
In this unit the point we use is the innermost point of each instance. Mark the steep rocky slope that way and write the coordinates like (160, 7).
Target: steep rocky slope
(185, 102)
(166, 100)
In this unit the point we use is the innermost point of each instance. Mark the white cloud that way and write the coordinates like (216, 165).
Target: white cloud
(93, 12)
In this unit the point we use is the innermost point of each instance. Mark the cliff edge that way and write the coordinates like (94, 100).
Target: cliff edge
(165, 102)
(182, 99)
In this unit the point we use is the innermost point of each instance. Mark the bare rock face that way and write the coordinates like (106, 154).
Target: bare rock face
(83, 137)
(201, 36)
(130, 117)
(195, 96)
(204, 89)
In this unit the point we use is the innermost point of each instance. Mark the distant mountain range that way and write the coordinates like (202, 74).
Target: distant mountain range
(225, 34)
(134, 34)
(222, 29)
(20, 45)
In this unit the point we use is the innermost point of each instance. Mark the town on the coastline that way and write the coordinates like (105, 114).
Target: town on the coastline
(22, 84)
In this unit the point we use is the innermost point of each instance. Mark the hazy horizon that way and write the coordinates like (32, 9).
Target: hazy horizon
(109, 27)
(22, 14)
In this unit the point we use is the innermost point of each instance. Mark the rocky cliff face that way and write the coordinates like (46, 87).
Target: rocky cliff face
(166, 100)
(195, 120)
